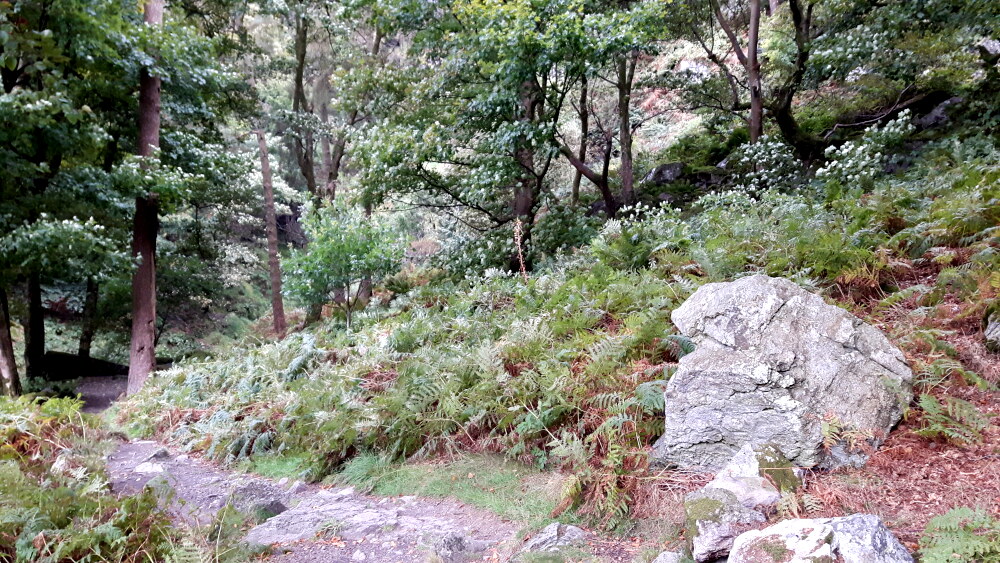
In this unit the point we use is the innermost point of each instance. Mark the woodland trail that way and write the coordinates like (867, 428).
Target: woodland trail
(314, 524)
(307, 523)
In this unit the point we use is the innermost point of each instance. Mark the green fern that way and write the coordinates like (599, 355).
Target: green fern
(961, 535)
(953, 420)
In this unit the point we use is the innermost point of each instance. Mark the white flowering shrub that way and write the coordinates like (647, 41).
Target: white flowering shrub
(767, 164)
(858, 162)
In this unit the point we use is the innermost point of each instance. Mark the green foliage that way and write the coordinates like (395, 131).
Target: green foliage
(54, 499)
(961, 534)
(345, 248)
(953, 420)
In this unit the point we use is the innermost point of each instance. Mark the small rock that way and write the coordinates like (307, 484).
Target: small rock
(454, 548)
(713, 520)
(182, 457)
(148, 468)
(358, 555)
(161, 453)
(860, 537)
(283, 481)
(554, 536)
(669, 557)
(991, 330)
(297, 487)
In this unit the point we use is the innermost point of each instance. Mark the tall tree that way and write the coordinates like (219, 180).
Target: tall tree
(142, 356)
(10, 384)
(273, 259)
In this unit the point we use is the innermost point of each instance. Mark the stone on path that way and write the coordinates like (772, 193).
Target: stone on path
(149, 468)
(860, 538)
(772, 363)
(553, 537)
(669, 557)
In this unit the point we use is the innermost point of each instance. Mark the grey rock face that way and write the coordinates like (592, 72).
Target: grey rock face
(772, 361)
(669, 557)
(857, 538)
(743, 476)
(992, 332)
(664, 174)
(713, 519)
(553, 537)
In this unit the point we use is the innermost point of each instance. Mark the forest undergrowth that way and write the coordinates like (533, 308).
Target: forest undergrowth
(565, 369)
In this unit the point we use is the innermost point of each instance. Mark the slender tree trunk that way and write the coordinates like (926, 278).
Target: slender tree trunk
(273, 262)
(34, 330)
(326, 168)
(626, 74)
(584, 131)
(525, 191)
(753, 74)
(9, 381)
(88, 325)
(142, 356)
(304, 142)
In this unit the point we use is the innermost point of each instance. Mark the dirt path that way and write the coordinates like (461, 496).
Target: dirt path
(315, 524)
(99, 392)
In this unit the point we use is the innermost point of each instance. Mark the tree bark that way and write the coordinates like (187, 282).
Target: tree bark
(88, 325)
(304, 145)
(584, 131)
(9, 381)
(142, 356)
(626, 75)
(34, 330)
(753, 74)
(271, 223)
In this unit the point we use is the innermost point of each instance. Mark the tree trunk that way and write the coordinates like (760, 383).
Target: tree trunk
(303, 145)
(9, 381)
(271, 223)
(142, 356)
(34, 330)
(88, 325)
(753, 74)
(584, 131)
(626, 74)
(326, 168)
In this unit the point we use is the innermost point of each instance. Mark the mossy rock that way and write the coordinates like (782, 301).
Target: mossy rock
(776, 467)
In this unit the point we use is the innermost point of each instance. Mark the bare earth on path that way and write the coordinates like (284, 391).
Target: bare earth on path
(316, 524)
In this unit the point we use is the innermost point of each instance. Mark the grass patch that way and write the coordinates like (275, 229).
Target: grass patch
(278, 466)
(511, 490)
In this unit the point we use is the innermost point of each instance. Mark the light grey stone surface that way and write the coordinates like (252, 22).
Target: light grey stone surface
(992, 332)
(860, 538)
(554, 537)
(742, 476)
(669, 557)
(772, 360)
(713, 519)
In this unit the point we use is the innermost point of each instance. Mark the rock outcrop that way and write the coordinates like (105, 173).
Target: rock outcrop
(856, 538)
(774, 364)
(991, 329)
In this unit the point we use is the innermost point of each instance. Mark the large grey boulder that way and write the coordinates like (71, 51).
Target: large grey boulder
(860, 538)
(772, 363)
